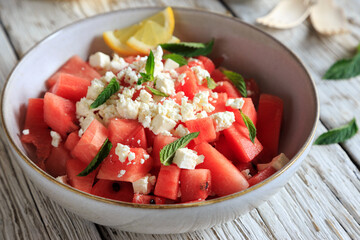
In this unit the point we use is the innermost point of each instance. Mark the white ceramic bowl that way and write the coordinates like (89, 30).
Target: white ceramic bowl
(244, 48)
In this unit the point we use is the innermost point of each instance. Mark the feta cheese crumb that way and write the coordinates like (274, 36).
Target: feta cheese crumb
(181, 131)
(165, 84)
(99, 60)
(122, 151)
(187, 112)
(131, 156)
(236, 103)
(108, 76)
(118, 63)
(121, 173)
(128, 92)
(201, 101)
(223, 120)
(56, 138)
(95, 89)
(170, 64)
(201, 74)
(201, 114)
(187, 159)
(63, 179)
(26, 132)
(144, 185)
(145, 97)
(162, 124)
(127, 108)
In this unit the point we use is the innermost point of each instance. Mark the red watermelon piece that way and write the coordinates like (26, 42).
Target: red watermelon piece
(167, 184)
(206, 128)
(219, 103)
(227, 87)
(261, 176)
(208, 64)
(59, 114)
(71, 140)
(127, 132)
(77, 67)
(225, 148)
(56, 163)
(225, 177)
(70, 87)
(160, 141)
(248, 109)
(73, 168)
(90, 142)
(120, 191)
(39, 132)
(147, 199)
(188, 85)
(112, 169)
(195, 184)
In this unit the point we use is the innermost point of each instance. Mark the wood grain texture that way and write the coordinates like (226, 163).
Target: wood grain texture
(321, 201)
(339, 100)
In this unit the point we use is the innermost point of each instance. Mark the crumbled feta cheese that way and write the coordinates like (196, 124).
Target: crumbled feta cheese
(181, 131)
(121, 173)
(187, 159)
(277, 162)
(99, 60)
(174, 74)
(145, 114)
(107, 112)
(201, 114)
(26, 132)
(63, 179)
(158, 55)
(223, 120)
(86, 121)
(188, 112)
(83, 107)
(201, 101)
(139, 64)
(122, 151)
(144, 185)
(162, 124)
(236, 103)
(56, 138)
(165, 84)
(145, 97)
(170, 64)
(131, 156)
(95, 89)
(128, 92)
(127, 108)
(108, 76)
(200, 73)
(118, 63)
(181, 79)
(131, 77)
(214, 95)
(81, 132)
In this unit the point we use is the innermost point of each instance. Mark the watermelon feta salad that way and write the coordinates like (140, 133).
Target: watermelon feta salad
(153, 129)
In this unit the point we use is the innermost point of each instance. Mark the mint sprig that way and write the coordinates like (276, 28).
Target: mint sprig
(211, 84)
(344, 68)
(189, 49)
(100, 156)
(168, 152)
(157, 92)
(176, 58)
(108, 91)
(338, 135)
(149, 68)
(250, 126)
(237, 80)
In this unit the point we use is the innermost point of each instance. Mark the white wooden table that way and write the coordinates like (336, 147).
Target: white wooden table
(322, 201)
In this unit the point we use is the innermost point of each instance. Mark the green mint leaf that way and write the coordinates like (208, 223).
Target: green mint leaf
(176, 58)
(211, 83)
(338, 135)
(237, 80)
(250, 126)
(168, 152)
(144, 78)
(344, 69)
(150, 64)
(100, 156)
(157, 92)
(110, 89)
(189, 49)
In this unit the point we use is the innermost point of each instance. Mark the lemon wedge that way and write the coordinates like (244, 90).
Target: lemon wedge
(141, 37)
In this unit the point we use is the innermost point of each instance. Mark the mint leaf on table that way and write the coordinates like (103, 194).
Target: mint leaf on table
(189, 49)
(211, 84)
(100, 156)
(168, 152)
(108, 91)
(157, 92)
(149, 68)
(338, 135)
(344, 68)
(176, 58)
(237, 80)
(250, 126)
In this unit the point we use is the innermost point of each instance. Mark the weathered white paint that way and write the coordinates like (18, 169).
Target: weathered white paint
(320, 201)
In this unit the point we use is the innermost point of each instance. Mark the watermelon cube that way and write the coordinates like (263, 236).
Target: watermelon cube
(73, 168)
(225, 148)
(225, 177)
(55, 164)
(208, 64)
(77, 67)
(129, 171)
(227, 87)
(127, 132)
(121, 191)
(160, 141)
(206, 128)
(219, 103)
(218, 76)
(70, 87)
(195, 184)
(269, 123)
(188, 85)
(238, 137)
(147, 199)
(90, 142)
(59, 114)
(71, 140)
(167, 184)
(39, 133)
(261, 176)
(248, 109)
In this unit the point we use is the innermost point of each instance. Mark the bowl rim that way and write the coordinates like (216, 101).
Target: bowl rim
(165, 206)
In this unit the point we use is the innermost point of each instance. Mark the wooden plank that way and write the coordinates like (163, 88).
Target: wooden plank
(338, 99)
(23, 215)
